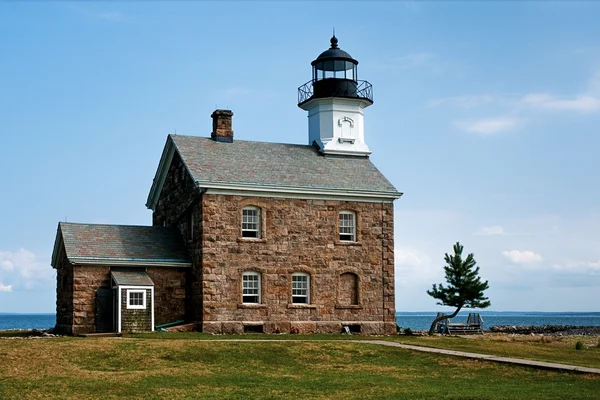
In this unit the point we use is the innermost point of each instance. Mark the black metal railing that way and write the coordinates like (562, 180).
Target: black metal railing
(362, 90)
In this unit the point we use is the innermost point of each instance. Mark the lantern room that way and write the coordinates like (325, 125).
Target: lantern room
(335, 74)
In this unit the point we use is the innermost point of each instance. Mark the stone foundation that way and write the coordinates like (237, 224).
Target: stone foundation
(303, 327)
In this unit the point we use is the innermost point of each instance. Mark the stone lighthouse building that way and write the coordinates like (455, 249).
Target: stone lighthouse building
(249, 236)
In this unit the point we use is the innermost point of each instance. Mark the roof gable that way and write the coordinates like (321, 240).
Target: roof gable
(250, 165)
(120, 245)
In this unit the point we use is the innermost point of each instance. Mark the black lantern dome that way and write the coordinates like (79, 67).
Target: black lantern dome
(334, 74)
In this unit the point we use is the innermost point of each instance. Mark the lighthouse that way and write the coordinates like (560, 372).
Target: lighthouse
(335, 100)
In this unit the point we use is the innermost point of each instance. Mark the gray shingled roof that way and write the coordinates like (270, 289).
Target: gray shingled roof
(120, 243)
(277, 164)
(131, 278)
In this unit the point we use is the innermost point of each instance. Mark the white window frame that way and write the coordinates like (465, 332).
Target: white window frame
(345, 228)
(136, 306)
(298, 289)
(249, 287)
(251, 220)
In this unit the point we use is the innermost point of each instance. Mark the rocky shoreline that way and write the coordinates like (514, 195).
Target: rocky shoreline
(558, 330)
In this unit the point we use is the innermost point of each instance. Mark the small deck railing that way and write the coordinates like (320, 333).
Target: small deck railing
(364, 90)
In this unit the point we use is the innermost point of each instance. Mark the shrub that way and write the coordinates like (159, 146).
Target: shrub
(408, 331)
(579, 345)
(399, 329)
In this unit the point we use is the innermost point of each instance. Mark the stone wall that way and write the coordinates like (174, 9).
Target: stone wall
(64, 295)
(297, 236)
(180, 206)
(136, 320)
(86, 282)
(169, 294)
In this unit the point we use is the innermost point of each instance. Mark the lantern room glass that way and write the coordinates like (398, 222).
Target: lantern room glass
(337, 69)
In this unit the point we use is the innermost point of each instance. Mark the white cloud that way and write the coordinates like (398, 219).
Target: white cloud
(414, 266)
(26, 267)
(5, 288)
(581, 103)
(522, 257)
(492, 230)
(490, 126)
(581, 266)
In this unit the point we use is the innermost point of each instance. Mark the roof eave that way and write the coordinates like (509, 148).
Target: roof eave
(270, 190)
(161, 172)
(58, 243)
(119, 262)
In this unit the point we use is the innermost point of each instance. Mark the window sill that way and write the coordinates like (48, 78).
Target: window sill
(251, 305)
(251, 240)
(348, 307)
(347, 243)
(311, 306)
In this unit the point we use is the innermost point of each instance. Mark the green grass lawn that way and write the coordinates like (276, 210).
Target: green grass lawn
(111, 368)
(558, 349)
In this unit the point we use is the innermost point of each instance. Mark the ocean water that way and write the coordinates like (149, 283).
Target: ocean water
(422, 320)
(27, 321)
(412, 320)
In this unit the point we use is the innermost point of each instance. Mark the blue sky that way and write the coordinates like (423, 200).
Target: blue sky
(486, 115)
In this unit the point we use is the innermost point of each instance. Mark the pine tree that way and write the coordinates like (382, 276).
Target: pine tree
(464, 289)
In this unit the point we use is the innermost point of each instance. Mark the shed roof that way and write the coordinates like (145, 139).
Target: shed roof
(120, 245)
(131, 278)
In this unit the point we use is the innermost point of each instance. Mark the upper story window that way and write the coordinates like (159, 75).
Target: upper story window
(347, 226)
(251, 222)
(300, 288)
(251, 288)
(136, 299)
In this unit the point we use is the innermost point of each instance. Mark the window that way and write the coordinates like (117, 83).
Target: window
(251, 222)
(300, 288)
(251, 288)
(347, 226)
(136, 299)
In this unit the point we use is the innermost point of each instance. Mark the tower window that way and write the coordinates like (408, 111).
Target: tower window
(347, 226)
(251, 222)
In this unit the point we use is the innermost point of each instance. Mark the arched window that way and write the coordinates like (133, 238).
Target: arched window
(347, 226)
(300, 288)
(251, 222)
(251, 288)
(348, 289)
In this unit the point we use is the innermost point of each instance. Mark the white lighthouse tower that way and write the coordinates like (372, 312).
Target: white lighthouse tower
(335, 100)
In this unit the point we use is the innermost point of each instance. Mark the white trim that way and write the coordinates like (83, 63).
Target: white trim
(136, 306)
(297, 194)
(307, 276)
(152, 311)
(119, 321)
(132, 263)
(353, 226)
(161, 173)
(252, 273)
(256, 218)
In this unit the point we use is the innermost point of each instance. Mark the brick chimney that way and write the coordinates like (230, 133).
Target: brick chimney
(222, 131)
